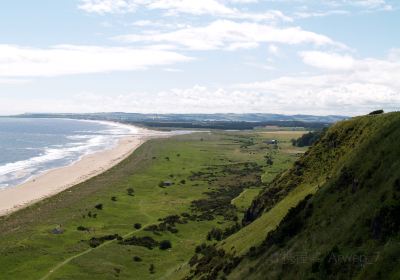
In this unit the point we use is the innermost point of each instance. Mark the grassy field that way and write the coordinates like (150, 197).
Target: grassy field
(111, 226)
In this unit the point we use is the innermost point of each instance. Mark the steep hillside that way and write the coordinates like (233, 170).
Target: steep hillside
(334, 215)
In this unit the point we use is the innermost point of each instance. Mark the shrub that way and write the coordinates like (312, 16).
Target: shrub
(145, 241)
(216, 234)
(137, 259)
(165, 244)
(82, 228)
(183, 182)
(137, 226)
(113, 198)
(152, 269)
(130, 191)
(99, 206)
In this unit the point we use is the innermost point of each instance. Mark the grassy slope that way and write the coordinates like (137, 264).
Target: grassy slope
(286, 190)
(30, 251)
(349, 228)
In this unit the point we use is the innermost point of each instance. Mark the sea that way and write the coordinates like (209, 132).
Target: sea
(30, 147)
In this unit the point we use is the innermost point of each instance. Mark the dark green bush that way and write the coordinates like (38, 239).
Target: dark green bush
(165, 244)
(99, 206)
(130, 191)
(82, 228)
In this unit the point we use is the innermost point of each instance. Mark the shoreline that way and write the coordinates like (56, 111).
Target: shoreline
(60, 179)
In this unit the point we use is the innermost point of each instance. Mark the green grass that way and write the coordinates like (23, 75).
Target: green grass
(243, 201)
(28, 249)
(253, 234)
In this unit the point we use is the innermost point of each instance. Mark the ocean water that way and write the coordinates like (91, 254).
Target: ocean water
(29, 147)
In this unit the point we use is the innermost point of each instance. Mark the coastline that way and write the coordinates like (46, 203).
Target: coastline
(60, 179)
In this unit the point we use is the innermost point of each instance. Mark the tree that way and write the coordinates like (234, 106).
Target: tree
(165, 244)
(307, 139)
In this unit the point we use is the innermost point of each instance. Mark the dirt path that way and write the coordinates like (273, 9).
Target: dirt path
(67, 261)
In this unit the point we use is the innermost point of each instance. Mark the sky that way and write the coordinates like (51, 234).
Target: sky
(326, 57)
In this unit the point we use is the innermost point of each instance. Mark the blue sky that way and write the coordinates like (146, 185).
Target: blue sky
(190, 56)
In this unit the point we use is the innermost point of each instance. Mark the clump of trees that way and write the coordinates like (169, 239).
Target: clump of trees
(97, 241)
(210, 261)
(219, 234)
(307, 139)
(377, 112)
(167, 224)
(146, 241)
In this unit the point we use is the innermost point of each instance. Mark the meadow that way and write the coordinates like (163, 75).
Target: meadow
(144, 218)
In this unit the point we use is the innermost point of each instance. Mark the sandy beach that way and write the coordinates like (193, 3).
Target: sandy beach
(60, 179)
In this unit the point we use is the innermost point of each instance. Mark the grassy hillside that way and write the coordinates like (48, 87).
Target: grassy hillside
(114, 225)
(333, 215)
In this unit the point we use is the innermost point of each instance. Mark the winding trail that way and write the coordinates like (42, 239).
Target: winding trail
(67, 261)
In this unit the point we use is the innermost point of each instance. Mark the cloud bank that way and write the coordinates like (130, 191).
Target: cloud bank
(18, 61)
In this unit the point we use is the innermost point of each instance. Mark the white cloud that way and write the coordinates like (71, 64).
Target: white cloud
(366, 4)
(273, 49)
(108, 6)
(17, 61)
(370, 84)
(319, 95)
(226, 34)
(367, 85)
(330, 61)
(308, 14)
(191, 7)
(394, 55)
(369, 4)
(216, 8)
(13, 81)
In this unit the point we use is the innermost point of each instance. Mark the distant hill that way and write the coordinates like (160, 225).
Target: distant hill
(135, 117)
(334, 215)
(204, 121)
